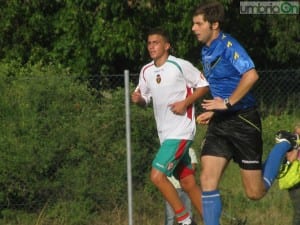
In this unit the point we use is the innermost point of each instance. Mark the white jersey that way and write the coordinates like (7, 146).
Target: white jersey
(167, 84)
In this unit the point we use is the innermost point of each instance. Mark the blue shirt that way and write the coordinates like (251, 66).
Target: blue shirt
(224, 63)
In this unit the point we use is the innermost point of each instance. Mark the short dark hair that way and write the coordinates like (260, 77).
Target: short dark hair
(212, 12)
(160, 31)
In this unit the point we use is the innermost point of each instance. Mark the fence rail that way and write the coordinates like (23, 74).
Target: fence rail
(45, 134)
(275, 90)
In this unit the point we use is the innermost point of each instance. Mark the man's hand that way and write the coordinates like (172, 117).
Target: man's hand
(136, 97)
(214, 104)
(292, 155)
(204, 118)
(178, 108)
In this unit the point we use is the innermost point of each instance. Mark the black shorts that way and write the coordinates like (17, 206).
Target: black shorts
(237, 136)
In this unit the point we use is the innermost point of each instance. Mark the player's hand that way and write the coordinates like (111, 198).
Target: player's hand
(204, 118)
(178, 108)
(213, 104)
(136, 96)
(292, 155)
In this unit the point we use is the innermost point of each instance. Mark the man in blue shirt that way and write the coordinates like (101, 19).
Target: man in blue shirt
(234, 124)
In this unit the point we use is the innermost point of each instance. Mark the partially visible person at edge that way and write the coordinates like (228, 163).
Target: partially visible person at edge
(174, 85)
(234, 124)
(294, 192)
(169, 213)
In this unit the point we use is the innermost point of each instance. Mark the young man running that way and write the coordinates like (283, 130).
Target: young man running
(174, 85)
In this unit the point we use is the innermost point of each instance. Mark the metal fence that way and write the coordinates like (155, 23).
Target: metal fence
(276, 90)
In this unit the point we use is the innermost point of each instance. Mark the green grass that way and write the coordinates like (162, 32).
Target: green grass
(148, 206)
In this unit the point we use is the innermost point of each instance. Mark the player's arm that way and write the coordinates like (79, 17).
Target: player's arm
(198, 93)
(246, 83)
(244, 64)
(181, 106)
(195, 79)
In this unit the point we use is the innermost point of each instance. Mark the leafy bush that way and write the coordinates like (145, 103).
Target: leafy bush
(60, 142)
(63, 148)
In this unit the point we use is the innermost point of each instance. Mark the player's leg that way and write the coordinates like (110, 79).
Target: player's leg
(185, 200)
(164, 164)
(257, 178)
(186, 176)
(169, 214)
(253, 183)
(169, 192)
(272, 164)
(248, 145)
(212, 169)
(286, 141)
(193, 191)
(215, 155)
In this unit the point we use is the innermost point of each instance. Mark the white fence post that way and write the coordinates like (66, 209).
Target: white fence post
(128, 145)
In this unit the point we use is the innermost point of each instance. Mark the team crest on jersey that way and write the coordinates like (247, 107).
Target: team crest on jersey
(158, 78)
(170, 166)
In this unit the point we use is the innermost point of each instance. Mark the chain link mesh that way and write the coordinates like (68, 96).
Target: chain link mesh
(276, 90)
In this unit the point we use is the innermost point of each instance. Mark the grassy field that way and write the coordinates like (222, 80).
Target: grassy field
(148, 206)
(273, 209)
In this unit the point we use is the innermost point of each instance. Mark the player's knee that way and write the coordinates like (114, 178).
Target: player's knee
(208, 182)
(254, 197)
(153, 178)
(203, 178)
(254, 194)
(188, 183)
(157, 178)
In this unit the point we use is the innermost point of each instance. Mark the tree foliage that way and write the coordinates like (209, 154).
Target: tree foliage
(108, 36)
(272, 40)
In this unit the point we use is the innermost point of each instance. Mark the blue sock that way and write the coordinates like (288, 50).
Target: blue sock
(212, 207)
(272, 164)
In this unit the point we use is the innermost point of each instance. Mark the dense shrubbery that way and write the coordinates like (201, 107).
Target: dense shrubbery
(63, 146)
(60, 144)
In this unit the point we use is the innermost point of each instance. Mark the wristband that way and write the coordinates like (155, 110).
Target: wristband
(227, 103)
